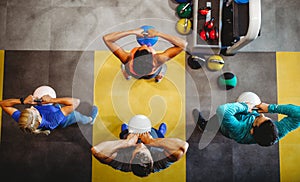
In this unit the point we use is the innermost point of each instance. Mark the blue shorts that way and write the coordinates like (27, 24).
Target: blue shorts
(154, 133)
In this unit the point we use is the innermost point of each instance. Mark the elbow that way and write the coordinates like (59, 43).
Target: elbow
(76, 103)
(100, 157)
(222, 113)
(97, 154)
(221, 110)
(106, 38)
(185, 148)
(181, 152)
(184, 44)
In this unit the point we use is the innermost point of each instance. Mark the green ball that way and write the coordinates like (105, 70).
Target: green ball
(227, 81)
(184, 10)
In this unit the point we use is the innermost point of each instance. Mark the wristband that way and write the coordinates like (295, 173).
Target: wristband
(22, 100)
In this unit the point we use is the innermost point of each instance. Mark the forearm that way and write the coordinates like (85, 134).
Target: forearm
(114, 36)
(67, 101)
(10, 102)
(174, 147)
(289, 110)
(106, 151)
(179, 42)
(8, 105)
(288, 123)
(230, 109)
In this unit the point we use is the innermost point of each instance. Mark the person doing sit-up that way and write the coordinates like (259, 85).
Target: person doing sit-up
(143, 62)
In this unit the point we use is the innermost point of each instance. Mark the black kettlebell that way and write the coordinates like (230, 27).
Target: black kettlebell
(195, 62)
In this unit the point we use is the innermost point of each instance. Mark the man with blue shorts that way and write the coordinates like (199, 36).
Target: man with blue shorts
(142, 149)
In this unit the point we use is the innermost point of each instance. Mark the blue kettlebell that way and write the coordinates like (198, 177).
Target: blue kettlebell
(149, 41)
(182, 1)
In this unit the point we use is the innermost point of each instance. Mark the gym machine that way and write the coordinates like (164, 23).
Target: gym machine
(219, 28)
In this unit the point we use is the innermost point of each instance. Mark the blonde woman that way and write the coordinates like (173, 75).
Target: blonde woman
(46, 115)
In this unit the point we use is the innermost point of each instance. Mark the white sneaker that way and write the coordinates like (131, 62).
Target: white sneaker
(161, 74)
(125, 74)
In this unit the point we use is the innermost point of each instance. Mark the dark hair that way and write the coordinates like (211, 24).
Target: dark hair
(143, 62)
(141, 165)
(266, 134)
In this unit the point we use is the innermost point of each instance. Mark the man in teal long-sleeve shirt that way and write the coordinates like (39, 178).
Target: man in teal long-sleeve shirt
(239, 122)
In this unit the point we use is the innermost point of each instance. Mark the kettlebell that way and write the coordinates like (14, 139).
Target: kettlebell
(210, 24)
(204, 34)
(184, 10)
(214, 34)
(183, 26)
(195, 62)
(204, 11)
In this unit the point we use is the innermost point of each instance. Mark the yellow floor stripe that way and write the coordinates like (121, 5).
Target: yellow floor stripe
(1, 83)
(120, 99)
(288, 85)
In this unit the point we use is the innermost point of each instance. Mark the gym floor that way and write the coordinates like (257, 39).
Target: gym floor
(57, 43)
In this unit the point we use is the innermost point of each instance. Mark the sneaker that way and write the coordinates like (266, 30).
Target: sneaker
(124, 127)
(161, 74)
(125, 74)
(162, 128)
(199, 120)
(94, 114)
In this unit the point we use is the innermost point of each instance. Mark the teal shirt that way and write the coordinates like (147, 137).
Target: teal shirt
(288, 123)
(236, 121)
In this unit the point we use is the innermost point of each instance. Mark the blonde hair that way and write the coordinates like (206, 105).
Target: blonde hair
(29, 122)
